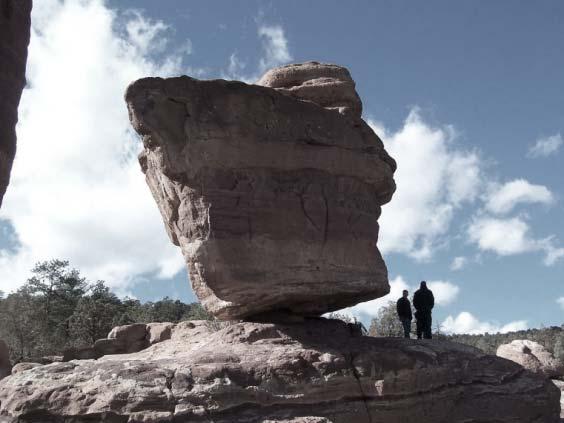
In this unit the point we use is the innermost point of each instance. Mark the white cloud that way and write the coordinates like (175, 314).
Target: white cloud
(434, 179)
(560, 302)
(458, 263)
(504, 198)
(77, 191)
(545, 147)
(444, 292)
(502, 236)
(467, 323)
(275, 46)
(511, 236)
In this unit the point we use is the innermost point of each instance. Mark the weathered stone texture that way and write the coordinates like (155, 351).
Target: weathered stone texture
(14, 38)
(532, 356)
(318, 371)
(273, 200)
(330, 86)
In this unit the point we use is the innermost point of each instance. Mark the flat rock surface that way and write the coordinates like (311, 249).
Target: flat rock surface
(318, 372)
(532, 356)
(15, 25)
(273, 200)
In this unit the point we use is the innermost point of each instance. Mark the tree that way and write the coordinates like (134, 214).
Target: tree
(20, 325)
(386, 323)
(196, 312)
(559, 348)
(59, 290)
(95, 315)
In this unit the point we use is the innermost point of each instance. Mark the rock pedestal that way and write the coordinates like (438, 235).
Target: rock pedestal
(317, 371)
(15, 25)
(272, 193)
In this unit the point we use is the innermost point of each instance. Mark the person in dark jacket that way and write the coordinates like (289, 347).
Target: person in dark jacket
(423, 301)
(403, 307)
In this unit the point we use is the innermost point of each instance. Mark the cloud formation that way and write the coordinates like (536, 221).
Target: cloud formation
(275, 46)
(467, 323)
(560, 302)
(435, 178)
(511, 236)
(77, 191)
(503, 199)
(458, 263)
(545, 147)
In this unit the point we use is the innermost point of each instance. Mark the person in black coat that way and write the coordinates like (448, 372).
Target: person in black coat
(403, 307)
(423, 301)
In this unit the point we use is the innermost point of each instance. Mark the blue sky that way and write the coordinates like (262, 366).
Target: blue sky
(467, 97)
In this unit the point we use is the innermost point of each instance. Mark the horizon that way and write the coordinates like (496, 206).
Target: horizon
(462, 96)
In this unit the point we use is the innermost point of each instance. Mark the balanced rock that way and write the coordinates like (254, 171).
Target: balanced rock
(315, 372)
(5, 364)
(532, 356)
(273, 200)
(15, 25)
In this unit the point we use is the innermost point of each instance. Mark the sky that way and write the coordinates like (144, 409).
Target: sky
(467, 97)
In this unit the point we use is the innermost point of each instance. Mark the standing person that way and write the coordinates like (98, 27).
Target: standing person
(403, 307)
(423, 301)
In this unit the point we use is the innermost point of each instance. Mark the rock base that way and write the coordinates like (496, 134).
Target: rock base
(317, 371)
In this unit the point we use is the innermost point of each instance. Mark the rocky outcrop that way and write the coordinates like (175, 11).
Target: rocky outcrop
(121, 340)
(5, 364)
(273, 200)
(329, 86)
(560, 385)
(532, 356)
(24, 366)
(159, 332)
(317, 371)
(14, 38)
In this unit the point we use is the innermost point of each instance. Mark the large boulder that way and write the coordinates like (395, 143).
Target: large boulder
(5, 364)
(317, 371)
(273, 200)
(159, 332)
(532, 356)
(560, 385)
(15, 25)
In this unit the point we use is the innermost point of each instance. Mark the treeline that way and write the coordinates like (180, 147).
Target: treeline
(386, 324)
(57, 309)
(551, 338)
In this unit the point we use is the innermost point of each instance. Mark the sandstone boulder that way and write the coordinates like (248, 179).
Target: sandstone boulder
(560, 385)
(313, 372)
(273, 200)
(5, 364)
(15, 25)
(129, 333)
(532, 356)
(24, 366)
(330, 86)
(159, 332)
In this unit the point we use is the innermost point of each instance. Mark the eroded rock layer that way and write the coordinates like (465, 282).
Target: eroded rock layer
(273, 200)
(14, 38)
(319, 371)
